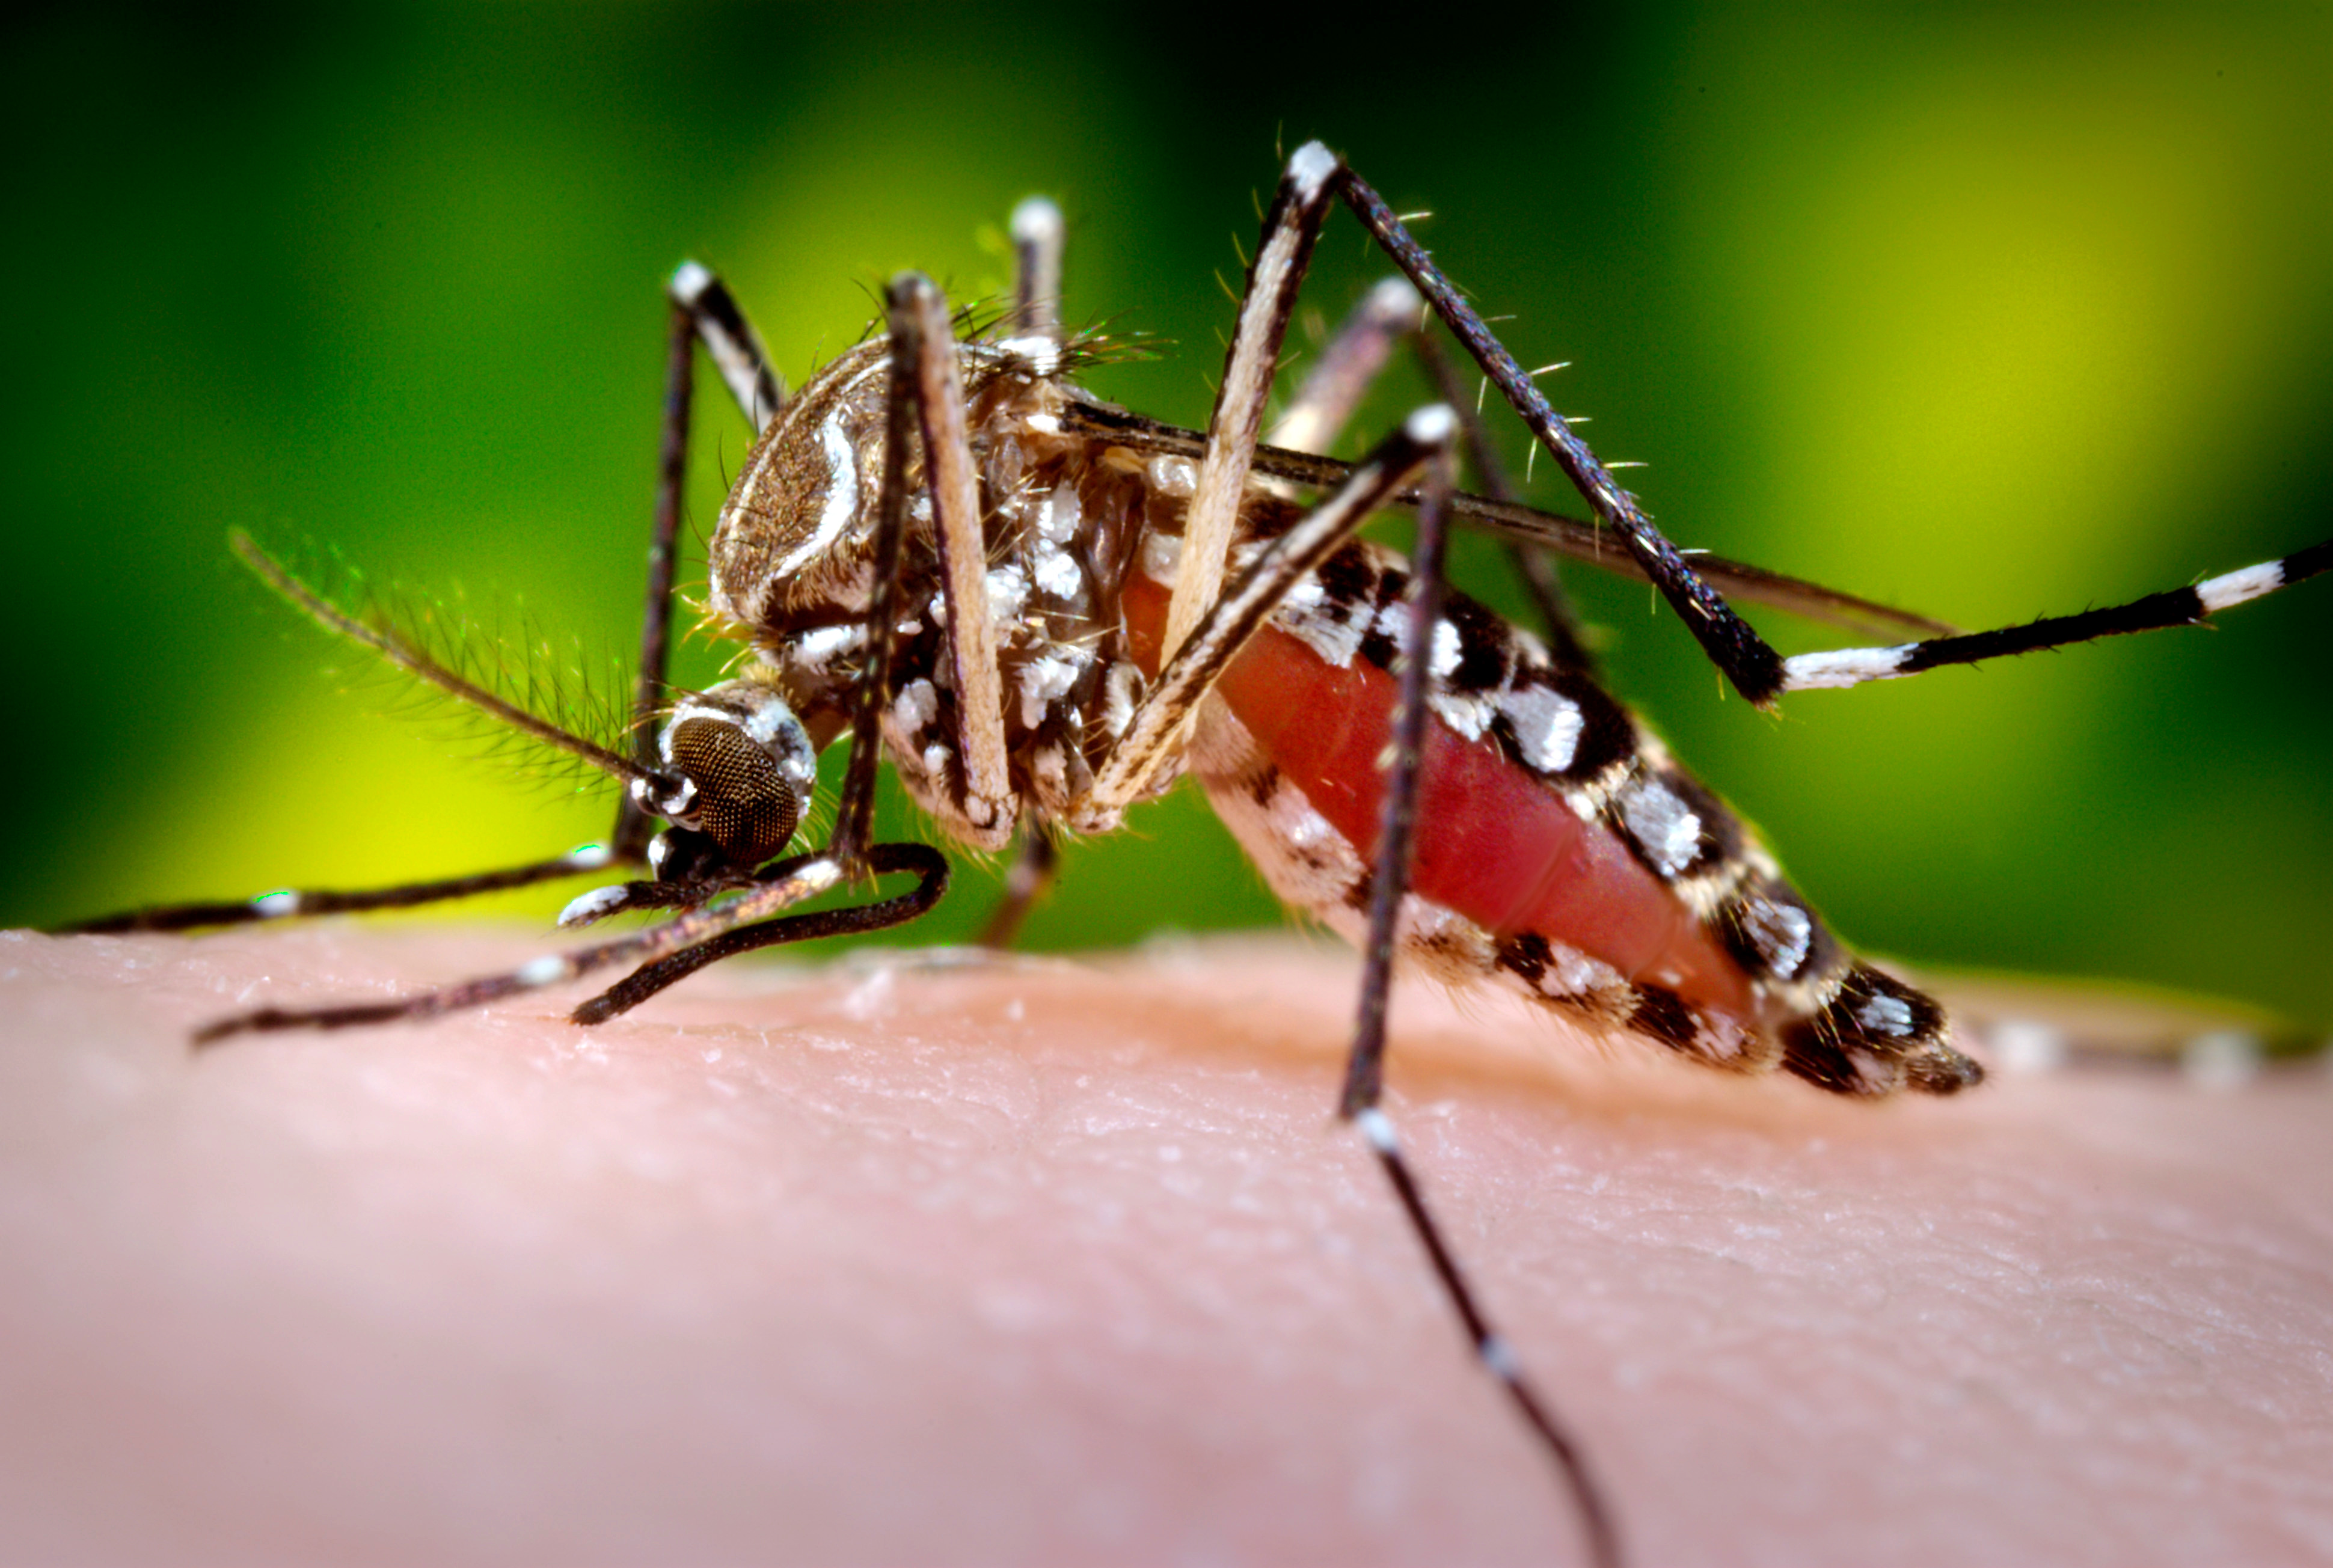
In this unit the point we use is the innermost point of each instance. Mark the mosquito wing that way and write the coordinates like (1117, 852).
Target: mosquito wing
(1567, 537)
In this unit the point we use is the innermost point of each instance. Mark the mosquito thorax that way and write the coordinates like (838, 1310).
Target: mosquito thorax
(794, 540)
(738, 770)
(1063, 517)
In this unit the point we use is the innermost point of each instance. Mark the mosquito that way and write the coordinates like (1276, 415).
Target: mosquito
(1043, 610)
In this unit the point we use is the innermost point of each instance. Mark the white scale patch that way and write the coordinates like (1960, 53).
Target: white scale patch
(1041, 356)
(1546, 725)
(1008, 593)
(1730, 1040)
(1843, 666)
(1042, 679)
(586, 907)
(1331, 631)
(1782, 932)
(841, 501)
(547, 971)
(1056, 571)
(1442, 943)
(815, 649)
(1060, 517)
(1448, 650)
(2219, 592)
(1393, 625)
(916, 705)
(1663, 826)
(1177, 477)
(1572, 972)
(1886, 1016)
(1468, 715)
(1052, 773)
(1296, 824)
(1311, 168)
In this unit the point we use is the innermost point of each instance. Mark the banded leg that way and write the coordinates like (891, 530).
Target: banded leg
(1038, 242)
(929, 867)
(1205, 631)
(2175, 607)
(1745, 660)
(1290, 229)
(730, 342)
(1549, 531)
(1365, 1067)
(778, 886)
(291, 902)
(1184, 682)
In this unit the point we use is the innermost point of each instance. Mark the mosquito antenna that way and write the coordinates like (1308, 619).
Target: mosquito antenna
(402, 653)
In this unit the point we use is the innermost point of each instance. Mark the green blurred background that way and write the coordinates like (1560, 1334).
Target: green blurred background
(1993, 314)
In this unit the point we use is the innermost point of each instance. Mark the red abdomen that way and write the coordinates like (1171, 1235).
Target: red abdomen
(1493, 843)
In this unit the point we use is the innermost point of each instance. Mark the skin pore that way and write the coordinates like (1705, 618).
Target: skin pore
(1035, 1259)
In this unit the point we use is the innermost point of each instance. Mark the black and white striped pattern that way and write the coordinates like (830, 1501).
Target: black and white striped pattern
(1840, 1025)
(2155, 612)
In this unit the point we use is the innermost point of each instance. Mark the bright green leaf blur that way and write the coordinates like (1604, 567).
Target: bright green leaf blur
(1997, 316)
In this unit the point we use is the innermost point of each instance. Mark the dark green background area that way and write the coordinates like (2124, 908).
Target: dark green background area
(1994, 315)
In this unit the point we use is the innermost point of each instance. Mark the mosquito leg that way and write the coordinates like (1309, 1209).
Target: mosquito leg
(1032, 873)
(1290, 228)
(293, 902)
(1037, 245)
(854, 813)
(2175, 607)
(1365, 1069)
(1490, 1347)
(930, 866)
(731, 342)
(702, 312)
(1341, 377)
(1186, 675)
(1533, 566)
(634, 826)
(1740, 654)
(777, 886)
(923, 370)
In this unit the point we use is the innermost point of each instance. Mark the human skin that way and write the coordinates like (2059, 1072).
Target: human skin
(1042, 1260)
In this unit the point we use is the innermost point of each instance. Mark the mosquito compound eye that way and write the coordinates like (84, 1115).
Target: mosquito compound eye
(752, 766)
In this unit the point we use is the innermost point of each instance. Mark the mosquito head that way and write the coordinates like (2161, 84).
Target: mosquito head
(738, 769)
